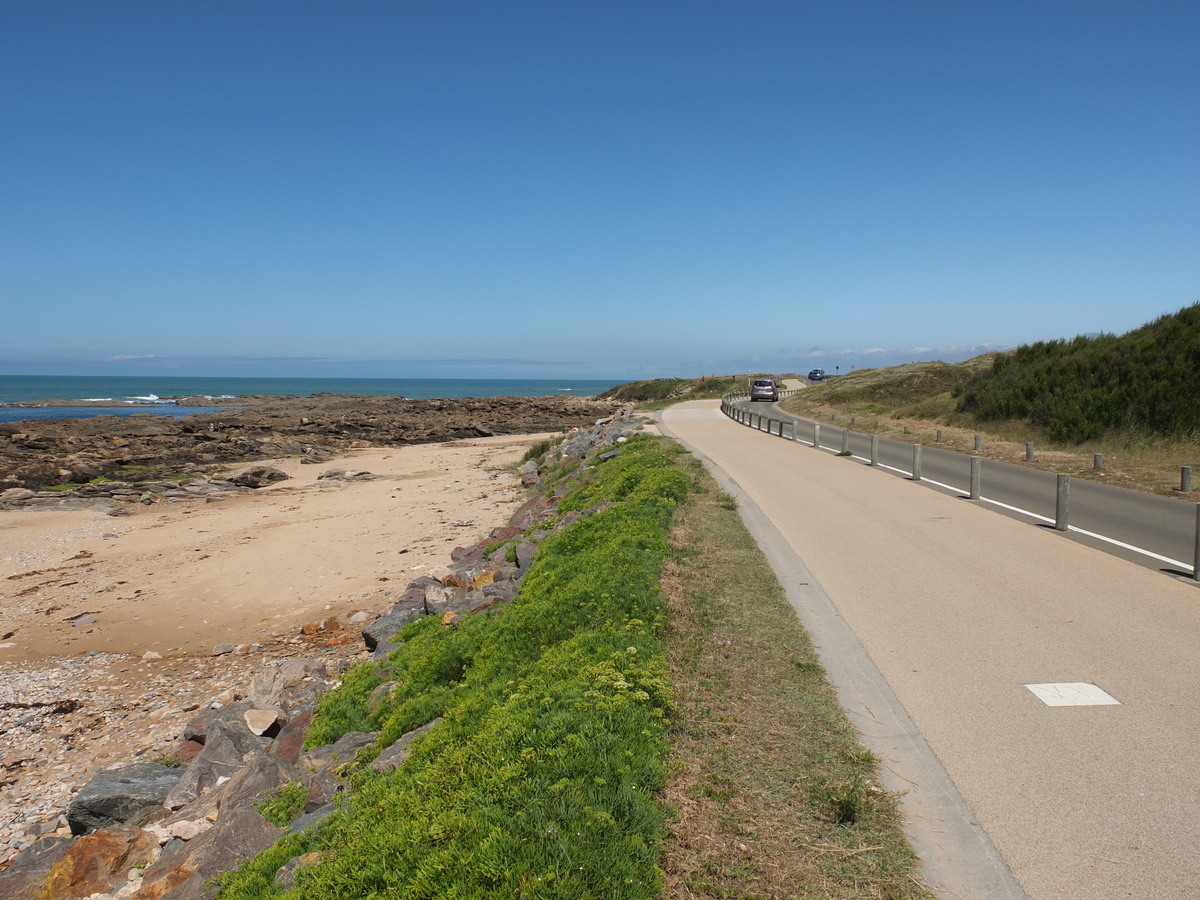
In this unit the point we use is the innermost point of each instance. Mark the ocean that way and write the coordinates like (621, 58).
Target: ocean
(156, 394)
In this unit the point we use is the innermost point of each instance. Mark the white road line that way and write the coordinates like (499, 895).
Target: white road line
(1024, 512)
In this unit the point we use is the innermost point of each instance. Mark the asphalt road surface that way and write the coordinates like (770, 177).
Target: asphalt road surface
(1146, 528)
(934, 616)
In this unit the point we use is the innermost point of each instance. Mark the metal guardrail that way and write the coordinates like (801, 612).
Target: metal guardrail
(773, 425)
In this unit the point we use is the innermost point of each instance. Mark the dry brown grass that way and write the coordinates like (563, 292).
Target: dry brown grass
(775, 796)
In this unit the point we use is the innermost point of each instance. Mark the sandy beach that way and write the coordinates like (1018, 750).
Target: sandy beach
(84, 597)
(177, 578)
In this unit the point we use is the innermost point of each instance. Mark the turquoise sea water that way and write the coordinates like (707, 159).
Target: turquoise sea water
(154, 394)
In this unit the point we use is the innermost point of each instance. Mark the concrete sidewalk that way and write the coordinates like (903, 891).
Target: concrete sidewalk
(959, 610)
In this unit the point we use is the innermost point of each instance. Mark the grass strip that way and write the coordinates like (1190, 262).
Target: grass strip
(774, 793)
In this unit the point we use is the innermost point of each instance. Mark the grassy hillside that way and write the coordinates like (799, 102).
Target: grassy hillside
(924, 389)
(1146, 381)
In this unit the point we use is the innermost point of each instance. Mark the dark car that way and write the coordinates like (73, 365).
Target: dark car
(764, 389)
(816, 375)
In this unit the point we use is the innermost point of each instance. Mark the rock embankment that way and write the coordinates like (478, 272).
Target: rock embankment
(37, 454)
(146, 829)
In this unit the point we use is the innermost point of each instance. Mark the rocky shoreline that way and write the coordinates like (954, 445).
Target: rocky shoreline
(36, 454)
(216, 714)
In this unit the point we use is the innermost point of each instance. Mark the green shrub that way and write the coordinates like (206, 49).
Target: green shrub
(1077, 390)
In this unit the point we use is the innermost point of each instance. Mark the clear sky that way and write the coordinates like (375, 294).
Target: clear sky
(597, 189)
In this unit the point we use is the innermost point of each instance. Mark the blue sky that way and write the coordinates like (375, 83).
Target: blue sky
(597, 189)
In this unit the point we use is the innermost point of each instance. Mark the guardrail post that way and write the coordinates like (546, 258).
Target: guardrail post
(1196, 552)
(1062, 503)
(817, 435)
(1098, 461)
(916, 475)
(978, 442)
(906, 429)
(1028, 451)
(975, 465)
(874, 449)
(845, 440)
(1185, 478)
(939, 435)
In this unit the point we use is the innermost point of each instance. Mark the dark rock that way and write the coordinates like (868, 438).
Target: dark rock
(529, 512)
(394, 756)
(127, 794)
(239, 833)
(25, 877)
(420, 584)
(258, 476)
(225, 746)
(321, 767)
(525, 553)
(473, 553)
(383, 630)
(289, 743)
(286, 876)
(197, 728)
(504, 533)
(309, 819)
(185, 867)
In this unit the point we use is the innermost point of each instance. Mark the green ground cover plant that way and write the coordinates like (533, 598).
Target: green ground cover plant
(542, 779)
(283, 804)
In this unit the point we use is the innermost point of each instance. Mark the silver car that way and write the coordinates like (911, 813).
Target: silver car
(764, 389)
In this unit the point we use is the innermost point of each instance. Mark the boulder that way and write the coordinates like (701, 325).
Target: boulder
(438, 599)
(225, 746)
(321, 766)
(294, 683)
(258, 476)
(286, 876)
(240, 832)
(394, 756)
(265, 722)
(289, 743)
(97, 863)
(385, 629)
(526, 550)
(197, 729)
(24, 878)
(128, 794)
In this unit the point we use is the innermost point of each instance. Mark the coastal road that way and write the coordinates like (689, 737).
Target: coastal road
(934, 616)
(1146, 528)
